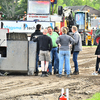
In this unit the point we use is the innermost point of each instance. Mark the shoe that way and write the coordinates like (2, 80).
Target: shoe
(59, 75)
(56, 72)
(42, 75)
(75, 73)
(94, 73)
(65, 74)
(46, 75)
(71, 73)
(1, 74)
(68, 76)
(99, 71)
(36, 74)
(49, 73)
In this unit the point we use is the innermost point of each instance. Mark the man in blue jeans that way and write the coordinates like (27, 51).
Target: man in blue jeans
(53, 52)
(77, 48)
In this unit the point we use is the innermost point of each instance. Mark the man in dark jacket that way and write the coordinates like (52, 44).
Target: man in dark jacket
(97, 52)
(45, 46)
(34, 35)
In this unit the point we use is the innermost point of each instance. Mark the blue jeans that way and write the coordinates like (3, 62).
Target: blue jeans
(56, 60)
(37, 59)
(64, 55)
(75, 54)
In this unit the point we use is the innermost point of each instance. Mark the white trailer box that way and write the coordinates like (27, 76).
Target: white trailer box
(24, 26)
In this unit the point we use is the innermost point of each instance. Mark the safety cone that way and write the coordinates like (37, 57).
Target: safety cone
(62, 98)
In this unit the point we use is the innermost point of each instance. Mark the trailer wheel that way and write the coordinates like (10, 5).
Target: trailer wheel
(85, 42)
(97, 38)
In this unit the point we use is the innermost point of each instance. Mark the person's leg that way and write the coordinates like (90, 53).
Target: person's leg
(75, 55)
(97, 64)
(46, 66)
(61, 61)
(42, 66)
(50, 63)
(56, 61)
(67, 62)
(37, 59)
(43, 69)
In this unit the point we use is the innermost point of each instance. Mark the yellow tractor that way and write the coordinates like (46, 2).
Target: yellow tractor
(83, 21)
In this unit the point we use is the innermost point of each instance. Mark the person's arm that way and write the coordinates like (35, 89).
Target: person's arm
(75, 36)
(72, 50)
(31, 37)
(58, 40)
(50, 44)
(35, 39)
(73, 44)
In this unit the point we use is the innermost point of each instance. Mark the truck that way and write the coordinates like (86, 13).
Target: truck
(38, 12)
(82, 20)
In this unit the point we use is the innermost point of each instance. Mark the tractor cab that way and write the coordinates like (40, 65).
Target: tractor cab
(82, 20)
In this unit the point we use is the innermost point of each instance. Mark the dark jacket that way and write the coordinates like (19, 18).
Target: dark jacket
(45, 42)
(97, 52)
(36, 33)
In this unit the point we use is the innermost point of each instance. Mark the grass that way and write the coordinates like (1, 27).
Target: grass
(90, 46)
(95, 97)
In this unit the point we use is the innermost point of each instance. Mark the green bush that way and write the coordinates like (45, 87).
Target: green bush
(95, 97)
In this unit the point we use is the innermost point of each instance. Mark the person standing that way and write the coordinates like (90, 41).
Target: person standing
(53, 52)
(45, 46)
(77, 48)
(56, 29)
(33, 36)
(64, 51)
(97, 52)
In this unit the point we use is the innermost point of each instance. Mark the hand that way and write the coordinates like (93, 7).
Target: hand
(70, 45)
(59, 45)
(36, 36)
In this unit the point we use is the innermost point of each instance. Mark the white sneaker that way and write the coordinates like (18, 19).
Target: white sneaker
(94, 73)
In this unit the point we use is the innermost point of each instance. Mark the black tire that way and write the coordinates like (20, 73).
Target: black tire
(91, 42)
(97, 38)
(85, 42)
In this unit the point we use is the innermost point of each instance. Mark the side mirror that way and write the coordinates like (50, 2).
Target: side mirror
(60, 10)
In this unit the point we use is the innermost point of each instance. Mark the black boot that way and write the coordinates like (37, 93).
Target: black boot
(46, 74)
(43, 74)
(75, 72)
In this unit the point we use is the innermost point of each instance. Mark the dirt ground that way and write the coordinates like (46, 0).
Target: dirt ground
(81, 87)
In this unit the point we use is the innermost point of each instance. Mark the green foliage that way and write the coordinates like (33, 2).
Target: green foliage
(95, 97)
(92, 3)
(59, 3)
(13, 9)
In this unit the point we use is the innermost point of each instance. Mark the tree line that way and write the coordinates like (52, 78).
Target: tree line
(15, 9)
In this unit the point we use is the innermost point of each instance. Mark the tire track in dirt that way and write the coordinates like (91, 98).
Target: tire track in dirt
(81, 86)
